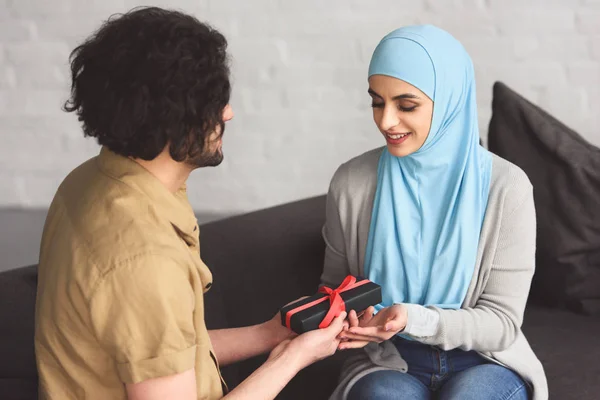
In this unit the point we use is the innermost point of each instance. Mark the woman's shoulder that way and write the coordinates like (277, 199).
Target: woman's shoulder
(509, 182)
(508, 175)
(357, 172)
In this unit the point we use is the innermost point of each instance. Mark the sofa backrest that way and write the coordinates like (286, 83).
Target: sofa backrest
(262, 260)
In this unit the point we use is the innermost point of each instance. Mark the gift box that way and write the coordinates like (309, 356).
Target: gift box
(355, 293)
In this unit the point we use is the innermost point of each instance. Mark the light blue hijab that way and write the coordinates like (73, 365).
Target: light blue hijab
(429, 206)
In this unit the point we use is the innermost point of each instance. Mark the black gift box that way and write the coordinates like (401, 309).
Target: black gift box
(357, 299)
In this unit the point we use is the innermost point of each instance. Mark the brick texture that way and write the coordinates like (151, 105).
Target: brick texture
(299, 76)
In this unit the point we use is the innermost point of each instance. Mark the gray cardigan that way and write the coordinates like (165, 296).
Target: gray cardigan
(491, 316)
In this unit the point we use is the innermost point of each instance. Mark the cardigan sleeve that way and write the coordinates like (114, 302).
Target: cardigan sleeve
(335, 266)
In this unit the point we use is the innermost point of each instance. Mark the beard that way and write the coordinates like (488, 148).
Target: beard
(208, 157)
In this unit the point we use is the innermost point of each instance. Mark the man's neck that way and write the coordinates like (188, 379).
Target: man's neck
(169, 172)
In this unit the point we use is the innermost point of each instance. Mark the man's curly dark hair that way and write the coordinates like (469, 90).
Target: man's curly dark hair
(148, 78)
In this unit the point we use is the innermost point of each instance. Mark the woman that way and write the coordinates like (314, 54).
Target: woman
(445, 227)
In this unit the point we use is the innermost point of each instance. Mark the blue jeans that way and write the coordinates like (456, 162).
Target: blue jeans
(438, 374)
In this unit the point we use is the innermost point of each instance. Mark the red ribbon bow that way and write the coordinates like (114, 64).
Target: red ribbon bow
(336, 303)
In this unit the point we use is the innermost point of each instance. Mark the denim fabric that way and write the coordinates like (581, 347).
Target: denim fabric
(444, 375)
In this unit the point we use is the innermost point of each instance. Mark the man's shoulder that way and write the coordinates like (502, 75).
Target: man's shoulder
(120, 237)
(107, 219)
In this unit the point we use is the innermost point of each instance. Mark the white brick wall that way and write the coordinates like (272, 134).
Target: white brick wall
(299, 70)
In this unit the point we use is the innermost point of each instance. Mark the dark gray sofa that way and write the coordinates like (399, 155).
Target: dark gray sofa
(264, 259)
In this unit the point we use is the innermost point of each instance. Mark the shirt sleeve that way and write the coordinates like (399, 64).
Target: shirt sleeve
(142, 314)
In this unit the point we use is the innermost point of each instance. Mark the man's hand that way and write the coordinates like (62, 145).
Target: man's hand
(275, 331)
(369, 328)
(289, 357)
(237, 344)
(315, 345)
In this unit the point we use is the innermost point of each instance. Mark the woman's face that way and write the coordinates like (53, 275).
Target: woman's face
(401, 112)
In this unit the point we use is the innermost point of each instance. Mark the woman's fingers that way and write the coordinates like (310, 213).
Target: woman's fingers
(375, 331)
(347, 336)
(355, 344)
(367, 316)
(369, 328)
(393, 326)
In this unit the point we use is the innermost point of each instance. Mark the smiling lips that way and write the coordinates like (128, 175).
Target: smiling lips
(397, 138)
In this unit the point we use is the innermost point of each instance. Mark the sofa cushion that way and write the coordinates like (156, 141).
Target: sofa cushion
(565, 172)
(19, 389)
(567, 345)
(17, 309)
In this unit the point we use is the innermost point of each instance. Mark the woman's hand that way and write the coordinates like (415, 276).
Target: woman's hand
(373, 328)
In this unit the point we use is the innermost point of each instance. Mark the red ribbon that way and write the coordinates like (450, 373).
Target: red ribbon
(336, 303)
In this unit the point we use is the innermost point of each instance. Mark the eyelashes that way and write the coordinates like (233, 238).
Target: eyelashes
(404, 109)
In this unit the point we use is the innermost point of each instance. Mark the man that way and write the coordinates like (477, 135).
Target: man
(120, 312)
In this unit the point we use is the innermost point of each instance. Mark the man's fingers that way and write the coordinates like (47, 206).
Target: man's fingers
(337, 324)
(345, 327)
